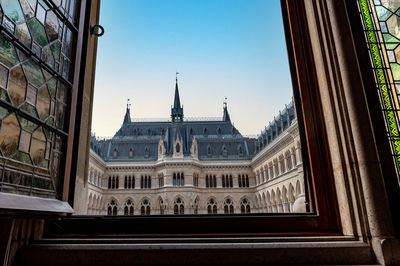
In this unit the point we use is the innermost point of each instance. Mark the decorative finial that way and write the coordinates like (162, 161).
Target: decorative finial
(176, 76)
(128, 104)
(225, 103)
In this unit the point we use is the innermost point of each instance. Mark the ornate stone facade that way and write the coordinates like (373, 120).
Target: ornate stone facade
(196, 167)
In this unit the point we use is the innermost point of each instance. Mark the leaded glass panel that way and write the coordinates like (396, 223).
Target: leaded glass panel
(36, 49)
(381, 22)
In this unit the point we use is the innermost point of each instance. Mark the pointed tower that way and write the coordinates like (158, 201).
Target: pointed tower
(177, 110)
(127, 118)
(226, 117)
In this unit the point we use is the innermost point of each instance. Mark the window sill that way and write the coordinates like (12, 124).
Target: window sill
(272, 250)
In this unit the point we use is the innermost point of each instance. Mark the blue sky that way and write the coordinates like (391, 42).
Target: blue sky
(221, 48)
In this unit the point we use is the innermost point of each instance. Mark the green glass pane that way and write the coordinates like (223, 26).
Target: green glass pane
(38, 32)
(17, 85)
(9, 135)
(4, 96)
(26, 124)
(22, 157)
(50, 121)
(38, 146)
(395, 70)
(7, 53)
(29, 109)
(398, 12)
(27, 9)
(12, 9)
(3, 112)
(52, 26)
(43, 102)
(22, 33)
(52, 85)
(3, 76)
(56, 48)
(383, 13)
(33, 73)
(48, 133)
(390, 41)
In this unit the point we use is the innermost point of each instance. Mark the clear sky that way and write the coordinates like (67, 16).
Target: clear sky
(221, 48)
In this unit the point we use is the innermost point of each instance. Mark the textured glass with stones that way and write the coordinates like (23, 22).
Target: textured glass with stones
(40, 13)
(28, 9)
(38, 146)
(24, 141)
(52, 86)
(31, 94)
(22, 33)
(43, 102)
(22, 157)
(17, 86)
(56, 48)
(9, 135)
(47, 56)
(67, 47)
(393, 24)
(38, 32)
(12, 9)
(392, 5)
(7, 53)
(33, 73)
(4, 96)
(3, 76)
(51, 26)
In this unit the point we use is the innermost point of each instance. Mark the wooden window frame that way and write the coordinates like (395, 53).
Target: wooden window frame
(316, 160)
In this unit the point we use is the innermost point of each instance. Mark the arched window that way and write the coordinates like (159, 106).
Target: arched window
(245, 206)
(219, 131)
(205, 131)
(196, 179)
(178, 148)
(109, 182)
(227, 181)
(115, 153)
(129, 182)
(230, 181)
(148, 132)
(211, 207)
(146, 152)
(196, 206)
(112, 208)
(128, 209)
(228, 206)
(131, 152)
(134, 132)
(191, 131)
(160, 180)
(145, 208)
(179, 206)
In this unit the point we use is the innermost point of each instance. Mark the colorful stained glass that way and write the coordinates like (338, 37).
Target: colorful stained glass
(22, 33)
(28, 9)
(382, 31)
(3, 76)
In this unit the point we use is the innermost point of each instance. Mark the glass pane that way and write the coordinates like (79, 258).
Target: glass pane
(381, 22)
(31, 149)
(246, 161)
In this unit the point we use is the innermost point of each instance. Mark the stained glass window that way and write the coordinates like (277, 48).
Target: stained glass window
(381, 22)
(36, 50)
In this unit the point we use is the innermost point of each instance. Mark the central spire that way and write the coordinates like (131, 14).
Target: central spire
(177, 110)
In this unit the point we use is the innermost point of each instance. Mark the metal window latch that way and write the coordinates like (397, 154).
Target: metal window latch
(97, 30)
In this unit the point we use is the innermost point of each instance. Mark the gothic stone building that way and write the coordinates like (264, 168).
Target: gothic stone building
(196, 167)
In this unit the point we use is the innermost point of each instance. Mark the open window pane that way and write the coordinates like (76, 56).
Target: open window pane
(194, 165)
(37, 47)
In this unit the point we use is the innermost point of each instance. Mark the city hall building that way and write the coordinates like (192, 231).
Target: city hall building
(187, 166)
